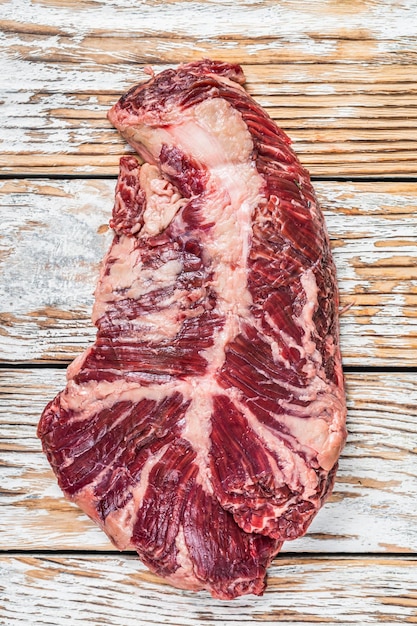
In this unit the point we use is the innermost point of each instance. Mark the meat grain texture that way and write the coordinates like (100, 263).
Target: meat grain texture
(203, 427)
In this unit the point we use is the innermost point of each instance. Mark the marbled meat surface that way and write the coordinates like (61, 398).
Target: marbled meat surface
(203, 427)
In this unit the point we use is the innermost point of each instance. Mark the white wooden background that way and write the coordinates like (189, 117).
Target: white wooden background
(340, 77)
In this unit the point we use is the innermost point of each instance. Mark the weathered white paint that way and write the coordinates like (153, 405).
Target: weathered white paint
(118, 590)
(387, 20)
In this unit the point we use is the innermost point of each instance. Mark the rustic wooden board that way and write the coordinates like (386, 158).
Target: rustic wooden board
(345, 92)
(54, 236)
(62, 589)
(372, 508)
(340, 78)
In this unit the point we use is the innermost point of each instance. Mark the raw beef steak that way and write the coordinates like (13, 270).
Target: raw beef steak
(203, 427)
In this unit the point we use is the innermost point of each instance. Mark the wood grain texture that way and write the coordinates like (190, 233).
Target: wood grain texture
(339, 77)
(372, 508)
(74, 590)
(55, 235)
(339, 126)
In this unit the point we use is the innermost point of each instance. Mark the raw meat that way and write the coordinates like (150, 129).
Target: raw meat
(203, 427)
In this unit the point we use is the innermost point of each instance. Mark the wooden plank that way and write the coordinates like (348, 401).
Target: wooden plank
(378, 21)
(62, 589)
(54, 235)
(376, 487)
(336, 78)
(341, 124)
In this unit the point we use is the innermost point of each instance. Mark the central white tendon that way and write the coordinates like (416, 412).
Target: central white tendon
(217, 137)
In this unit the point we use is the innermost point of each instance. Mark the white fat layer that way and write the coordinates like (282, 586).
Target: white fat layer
(185, 572)
(305, 320)
(295, 471)
(163, 200)
(119, 524)
(218, 138)
(318, 426)
(215, 134)
(326, 430)
(146, 140)
(77, 398)
(307, 349)
(127, 279)
(197, 428)
(125, 262)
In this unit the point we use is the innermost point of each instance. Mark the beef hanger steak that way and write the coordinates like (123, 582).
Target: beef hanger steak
(203, 427)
